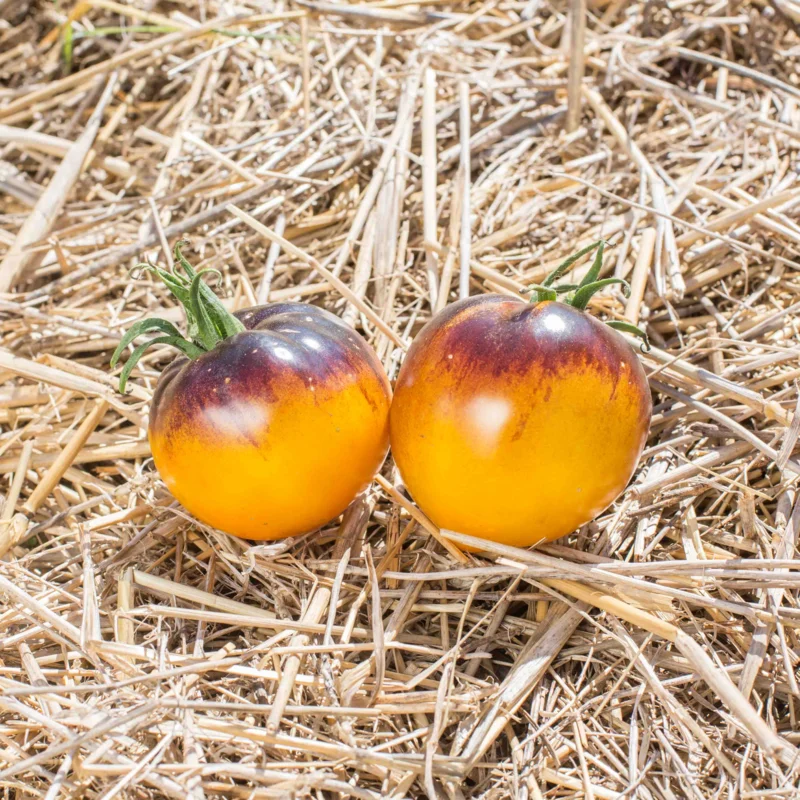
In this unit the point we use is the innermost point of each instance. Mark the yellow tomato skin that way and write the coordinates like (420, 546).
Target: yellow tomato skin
(275, 431)
(518, 422)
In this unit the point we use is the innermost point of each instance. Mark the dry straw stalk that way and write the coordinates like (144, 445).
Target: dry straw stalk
(382, 159)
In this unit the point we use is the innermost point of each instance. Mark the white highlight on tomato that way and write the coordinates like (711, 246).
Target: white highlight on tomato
(487, 418)
(554, 324)
(238, 419)
(283, 353)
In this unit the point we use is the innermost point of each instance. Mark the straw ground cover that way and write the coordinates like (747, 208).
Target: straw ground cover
(379, 160)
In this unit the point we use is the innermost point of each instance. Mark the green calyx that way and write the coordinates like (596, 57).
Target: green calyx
(208, 322)
(578, 295)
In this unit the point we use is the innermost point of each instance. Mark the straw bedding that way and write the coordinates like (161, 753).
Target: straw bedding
(377, 160)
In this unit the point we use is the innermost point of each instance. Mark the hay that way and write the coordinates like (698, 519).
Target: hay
(380, 160)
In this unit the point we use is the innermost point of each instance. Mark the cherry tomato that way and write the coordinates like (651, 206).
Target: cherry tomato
(518, 422)
(275, 428)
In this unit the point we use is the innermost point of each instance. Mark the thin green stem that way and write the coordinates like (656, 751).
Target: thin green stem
(66, 50)
(118, 31)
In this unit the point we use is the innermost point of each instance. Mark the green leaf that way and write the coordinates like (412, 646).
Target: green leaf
(187, 348)
(584, 294)
(66, 51)
(565, 265)
(629, 327)
(137, 329)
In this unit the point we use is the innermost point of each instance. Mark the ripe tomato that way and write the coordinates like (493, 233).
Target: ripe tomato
(518, 422)
(275, 429)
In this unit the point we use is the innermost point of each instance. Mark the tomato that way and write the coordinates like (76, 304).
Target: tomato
(518, 422)
(276, 428)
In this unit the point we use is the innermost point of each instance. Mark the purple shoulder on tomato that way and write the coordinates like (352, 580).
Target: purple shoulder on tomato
(339, 341)
(498, 336)
(286, 348)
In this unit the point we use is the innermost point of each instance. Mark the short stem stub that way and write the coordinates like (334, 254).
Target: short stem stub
(542, 293)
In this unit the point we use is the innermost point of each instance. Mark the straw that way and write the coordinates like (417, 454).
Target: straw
(382, 160)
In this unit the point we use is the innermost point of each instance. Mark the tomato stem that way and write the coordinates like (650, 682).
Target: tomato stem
(543, 293)
(579, 295)
(208, 322)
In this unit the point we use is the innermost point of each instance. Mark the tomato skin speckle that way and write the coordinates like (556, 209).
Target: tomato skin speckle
(264, 436)
(518, 422)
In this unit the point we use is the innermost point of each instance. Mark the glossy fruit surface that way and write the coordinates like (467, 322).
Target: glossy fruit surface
(518, 422)
(275, 430)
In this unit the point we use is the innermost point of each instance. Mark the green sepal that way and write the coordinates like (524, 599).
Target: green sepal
(186, 347)
(207, 335)
(137, 329)
(580, 294)
(540, 293)
(177, 284)
(179, 289)
(565, 265)
(181, 258)
(629, 327)
(597, 264)
(208, 321)
(224, 322)
(585, 293)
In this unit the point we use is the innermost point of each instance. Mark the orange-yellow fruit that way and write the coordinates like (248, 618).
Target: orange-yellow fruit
(277, 429)
(518, 422)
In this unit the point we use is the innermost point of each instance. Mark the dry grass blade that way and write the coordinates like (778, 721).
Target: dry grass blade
(41, 218)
